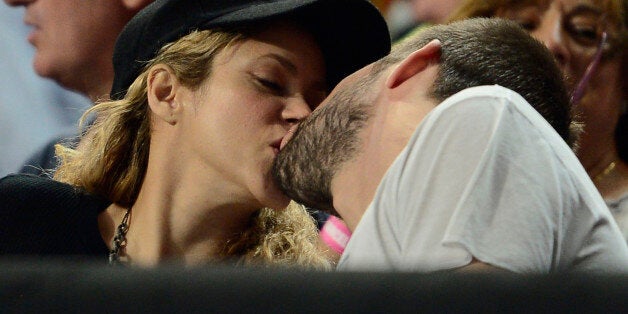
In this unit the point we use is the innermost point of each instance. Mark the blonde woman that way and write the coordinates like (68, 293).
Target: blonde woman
(176, 166)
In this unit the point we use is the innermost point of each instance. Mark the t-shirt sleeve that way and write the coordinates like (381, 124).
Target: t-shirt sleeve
(473, 183)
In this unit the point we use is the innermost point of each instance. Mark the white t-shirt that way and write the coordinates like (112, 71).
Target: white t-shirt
(485, 176)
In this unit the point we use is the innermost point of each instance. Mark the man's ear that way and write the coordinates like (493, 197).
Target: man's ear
(136, 5)
(162, 86)
(414, 63)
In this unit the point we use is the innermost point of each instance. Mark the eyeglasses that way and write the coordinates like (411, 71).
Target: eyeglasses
(578, 92)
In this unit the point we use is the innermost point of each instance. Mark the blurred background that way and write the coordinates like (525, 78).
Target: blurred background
(404, 15)
(33, 110)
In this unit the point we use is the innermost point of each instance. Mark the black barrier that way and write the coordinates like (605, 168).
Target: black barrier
(53, 287)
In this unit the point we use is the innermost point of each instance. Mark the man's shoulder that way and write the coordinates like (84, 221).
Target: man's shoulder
(488, 96)
(494, 104)
(480, 106)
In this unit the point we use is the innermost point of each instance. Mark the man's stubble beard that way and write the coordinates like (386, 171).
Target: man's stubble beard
(305, 167)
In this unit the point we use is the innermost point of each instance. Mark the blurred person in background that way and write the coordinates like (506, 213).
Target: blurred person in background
(33, 110)
(73, 42)
(588, 39)
(406, 15)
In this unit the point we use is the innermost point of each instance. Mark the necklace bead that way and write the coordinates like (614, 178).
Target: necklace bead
(605, 172)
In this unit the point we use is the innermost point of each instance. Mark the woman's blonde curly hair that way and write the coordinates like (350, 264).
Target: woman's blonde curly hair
(112, 158)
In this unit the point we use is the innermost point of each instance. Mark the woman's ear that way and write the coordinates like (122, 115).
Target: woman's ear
(162, 85)
(415, 63)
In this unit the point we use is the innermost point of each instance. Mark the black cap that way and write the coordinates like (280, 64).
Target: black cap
(351, 33)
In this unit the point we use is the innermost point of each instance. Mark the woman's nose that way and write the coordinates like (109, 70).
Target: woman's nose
(296, 110)
(550, 32)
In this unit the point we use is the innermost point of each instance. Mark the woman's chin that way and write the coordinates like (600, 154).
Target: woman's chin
(277, 202)
(271, 196)
(281, 205)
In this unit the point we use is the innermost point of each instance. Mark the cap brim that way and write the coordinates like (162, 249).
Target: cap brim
(351, 34)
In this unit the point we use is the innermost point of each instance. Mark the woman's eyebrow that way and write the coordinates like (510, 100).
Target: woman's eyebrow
(283, 61)
(583, 8)
(292, 68)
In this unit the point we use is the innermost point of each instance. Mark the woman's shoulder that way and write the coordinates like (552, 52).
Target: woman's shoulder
(42, 216)
(24, 191)
(23, 181)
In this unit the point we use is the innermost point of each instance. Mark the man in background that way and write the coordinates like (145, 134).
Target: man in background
(33, 110)
(74, 41)
(404, 16)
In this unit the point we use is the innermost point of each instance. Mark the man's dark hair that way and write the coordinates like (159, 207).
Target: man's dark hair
(485, 51)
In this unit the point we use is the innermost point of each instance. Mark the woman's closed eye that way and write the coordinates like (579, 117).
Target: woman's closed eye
(270, 85)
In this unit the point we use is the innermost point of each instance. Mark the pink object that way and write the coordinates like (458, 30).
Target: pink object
(335, 234)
